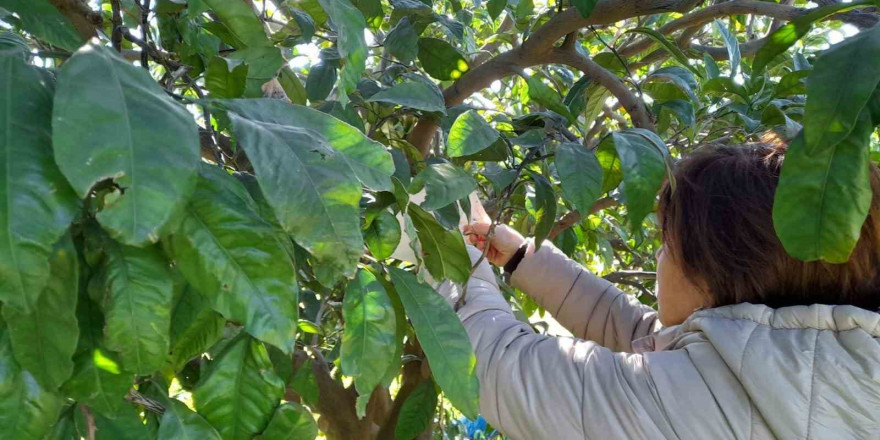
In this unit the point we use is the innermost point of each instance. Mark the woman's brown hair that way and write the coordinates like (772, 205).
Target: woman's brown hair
(717, 223)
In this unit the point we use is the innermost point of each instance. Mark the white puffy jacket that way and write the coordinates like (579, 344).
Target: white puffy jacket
(737, 372)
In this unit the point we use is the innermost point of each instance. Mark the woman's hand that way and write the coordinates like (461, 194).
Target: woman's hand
(502, 245)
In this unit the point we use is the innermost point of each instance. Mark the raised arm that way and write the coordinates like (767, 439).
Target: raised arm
(541, 387)
(588, 306)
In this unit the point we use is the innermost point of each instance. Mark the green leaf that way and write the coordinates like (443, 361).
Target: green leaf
(45, 339)
(547, 97)
(681, 78)
(350, 42)
(596, 96)
(411, 7)
(419, 95)
(41, 19)
(38, 204)
(97, 380)
(64, 428)
(585, 7)
(195, 327)
(576, 98)
(181, 423)
(787, 35)
(233, 257)
(839, 88)
(292, 86)
(308, 183)
(241, 22)
(368, 337)
(711, 66)
(731, 44)
(792, 83)
(644, 166)
(291, 421)
(403, 41)
(580, 175)
(112, 121)
(443, 251)
(225, 77)
(545, 208)
(239, 391)
(823, 199)
(723, 86)
(138, 306)
(495, 7)
(383, 235)
(523, 10)
(469, 134)
(263, 64)
(417, 412)
(774, 117)
(124, 424)
(669, 46)
(320, 81)
(27, 410)
(444, 183)
(612, 173)
(369, 160)
(441, 60)
(443, 339)
(13, 45)
(305, 384)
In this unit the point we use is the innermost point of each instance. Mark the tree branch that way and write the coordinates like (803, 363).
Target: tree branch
(84, 19)
(535, 51)
(414, 373)
(574, 217)
(707, 14)
(633, 105)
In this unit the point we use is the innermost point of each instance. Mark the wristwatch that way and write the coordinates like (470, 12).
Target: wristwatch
(514, 261)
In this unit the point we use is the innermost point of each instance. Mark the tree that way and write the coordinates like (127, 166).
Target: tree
(203, 199)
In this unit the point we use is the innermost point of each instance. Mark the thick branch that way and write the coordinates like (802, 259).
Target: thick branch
(705, 15)
(630, 102)
(536, 49)
(336, 404)
(414, 373)
(84, 19)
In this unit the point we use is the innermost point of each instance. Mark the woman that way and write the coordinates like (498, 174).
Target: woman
(749, 343)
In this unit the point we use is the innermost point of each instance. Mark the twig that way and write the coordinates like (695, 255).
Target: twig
(91, 429)
(206, 114)
(505, 197)
(147, 403)
(116, 20)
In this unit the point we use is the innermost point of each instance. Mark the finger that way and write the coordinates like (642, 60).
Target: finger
(478, 228)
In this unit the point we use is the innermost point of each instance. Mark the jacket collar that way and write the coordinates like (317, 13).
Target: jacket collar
(816, 316)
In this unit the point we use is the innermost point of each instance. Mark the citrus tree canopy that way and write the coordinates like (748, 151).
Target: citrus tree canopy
(225, 219)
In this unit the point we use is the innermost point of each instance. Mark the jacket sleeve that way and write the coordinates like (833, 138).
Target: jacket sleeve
(588, 306)
(535, 387)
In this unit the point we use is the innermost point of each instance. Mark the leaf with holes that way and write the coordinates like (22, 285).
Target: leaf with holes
(112, 121)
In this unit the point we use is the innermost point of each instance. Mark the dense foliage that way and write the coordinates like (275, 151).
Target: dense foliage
(206, 203)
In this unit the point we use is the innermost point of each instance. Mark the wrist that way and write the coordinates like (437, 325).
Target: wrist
(512, 263)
